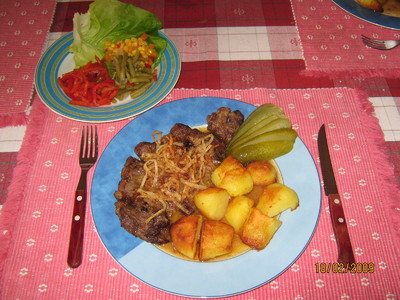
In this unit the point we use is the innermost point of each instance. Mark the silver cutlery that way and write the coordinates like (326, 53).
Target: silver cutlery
(87, 158)
(345, 250)
(380, 44)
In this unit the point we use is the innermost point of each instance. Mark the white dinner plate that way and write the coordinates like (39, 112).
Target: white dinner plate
(198, 279)
(57, 60)
(377, 18)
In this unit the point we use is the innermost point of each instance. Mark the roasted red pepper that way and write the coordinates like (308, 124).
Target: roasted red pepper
(89, 85)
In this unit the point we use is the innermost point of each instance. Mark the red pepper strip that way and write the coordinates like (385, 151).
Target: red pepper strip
(104, 92)
(144, 36)
(79, 102)
(89, 85)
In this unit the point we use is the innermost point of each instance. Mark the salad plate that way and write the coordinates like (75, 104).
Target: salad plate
(377, 18)
(57, 60)
(181, 277)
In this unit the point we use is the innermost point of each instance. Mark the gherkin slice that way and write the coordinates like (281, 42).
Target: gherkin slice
(259, 114)
(275, 135)
(266, 134)
(263, 151)
(271, 123)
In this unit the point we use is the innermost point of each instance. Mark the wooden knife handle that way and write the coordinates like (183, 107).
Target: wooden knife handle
(345, 249)
(77, 230)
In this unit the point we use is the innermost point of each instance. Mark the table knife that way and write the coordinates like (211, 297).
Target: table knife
(345, 250)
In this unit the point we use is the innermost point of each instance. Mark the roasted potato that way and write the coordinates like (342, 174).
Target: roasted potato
(228, 164)
(237, 182)
(259, 229)
(216, 239)
(212, 202)
(185, 234)
(238, 210)
(276, 198)
(262, 172)
(232, 176)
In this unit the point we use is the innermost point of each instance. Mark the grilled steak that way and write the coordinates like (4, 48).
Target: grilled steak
(223, 123)
(135, 213)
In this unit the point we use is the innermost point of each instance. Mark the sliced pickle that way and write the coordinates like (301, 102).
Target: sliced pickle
(266, 134)
(244, 132)
(280, 123)
(260, 113)
(275, 135)
(263, 151)
(275, 122)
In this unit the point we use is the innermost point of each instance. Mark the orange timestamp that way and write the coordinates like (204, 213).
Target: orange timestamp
(344, 268)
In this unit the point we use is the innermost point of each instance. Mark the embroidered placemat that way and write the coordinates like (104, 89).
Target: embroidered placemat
(331, 41)
(24, 26)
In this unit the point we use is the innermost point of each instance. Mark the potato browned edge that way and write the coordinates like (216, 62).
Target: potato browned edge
(185, 234)
(216, 239)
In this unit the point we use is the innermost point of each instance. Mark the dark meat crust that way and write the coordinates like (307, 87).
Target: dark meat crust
(134, 211)
(144, 147)
(133, 215)
(184, 134)
(131, 178)
(224, 123)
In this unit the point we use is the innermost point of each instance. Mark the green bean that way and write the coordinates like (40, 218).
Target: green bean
(123, 67)
(147, 70)
(138, 85)
(141, 74)
(139, 79)
(128, 75)
(141, 90)
(136, 57)
(117, 67)
(131, 67)
(122, 94)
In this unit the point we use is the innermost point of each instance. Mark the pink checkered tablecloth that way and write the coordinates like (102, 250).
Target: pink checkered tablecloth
(36, 221)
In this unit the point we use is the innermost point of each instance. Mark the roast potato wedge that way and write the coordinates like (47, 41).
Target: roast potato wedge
(216, 239)
(238, 210)
(212, 202)
(185, 234)
(276, 198)
(262, 172)
(228, 164)
(259, 229)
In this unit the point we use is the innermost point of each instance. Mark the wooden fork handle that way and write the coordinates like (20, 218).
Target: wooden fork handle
(77, 230)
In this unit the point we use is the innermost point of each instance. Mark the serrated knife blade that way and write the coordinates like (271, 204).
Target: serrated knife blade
(345, 250)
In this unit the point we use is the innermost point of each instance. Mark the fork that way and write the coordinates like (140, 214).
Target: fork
(380, 44)
(87, 158)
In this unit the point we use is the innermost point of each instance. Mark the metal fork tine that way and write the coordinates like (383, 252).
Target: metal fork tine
(96, 143)
(90, 143)
(87, 151)
(380, 44)
(370, 41)
(82, 148)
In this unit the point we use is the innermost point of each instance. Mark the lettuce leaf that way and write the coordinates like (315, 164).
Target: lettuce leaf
(112, 20)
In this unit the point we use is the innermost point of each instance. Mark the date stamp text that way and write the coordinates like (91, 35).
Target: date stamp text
(344, 268)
